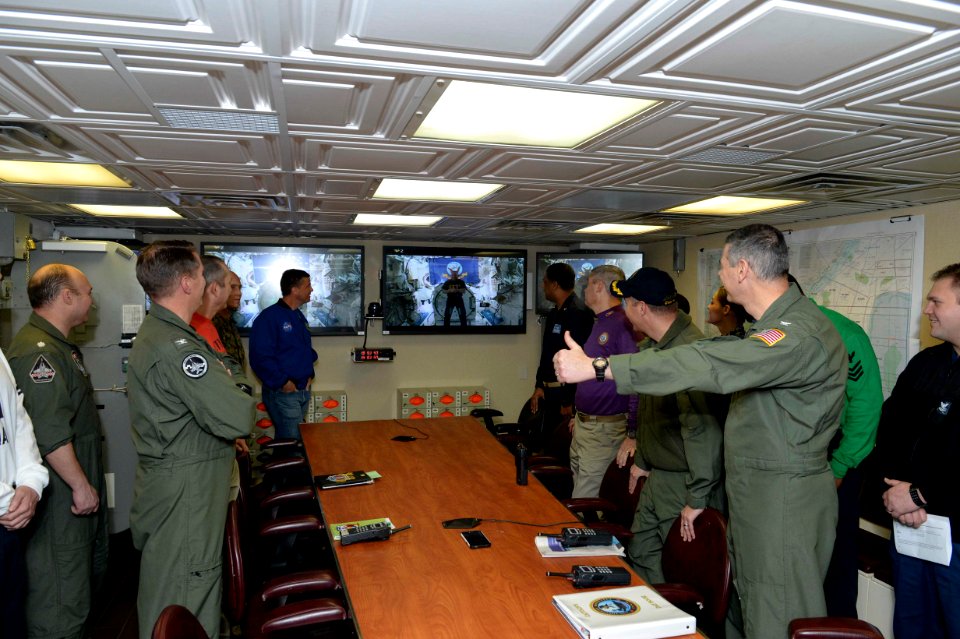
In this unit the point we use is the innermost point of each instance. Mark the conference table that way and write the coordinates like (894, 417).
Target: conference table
(426, 581)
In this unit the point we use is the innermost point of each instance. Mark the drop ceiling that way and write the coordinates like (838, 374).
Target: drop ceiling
(280, 117)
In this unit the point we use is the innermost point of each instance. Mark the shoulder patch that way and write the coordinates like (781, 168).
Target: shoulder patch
(194, 365)
(770, 336)
(42, 372)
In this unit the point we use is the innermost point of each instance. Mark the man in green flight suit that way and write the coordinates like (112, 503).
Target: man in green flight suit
(787, 378)
(67, 549)
(679, 435)
(186, 412)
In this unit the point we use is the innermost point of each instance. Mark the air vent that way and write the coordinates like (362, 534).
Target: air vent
(248, 202)
(828, 185)
(730, 155)
(19, 139)
(221, 120)
(530, 225)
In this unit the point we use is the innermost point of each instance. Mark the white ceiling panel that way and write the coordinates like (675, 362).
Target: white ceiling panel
(262, 117)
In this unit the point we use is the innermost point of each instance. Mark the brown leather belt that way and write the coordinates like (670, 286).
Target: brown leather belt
(583, 417)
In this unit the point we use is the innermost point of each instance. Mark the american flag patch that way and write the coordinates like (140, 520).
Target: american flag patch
(770, 336)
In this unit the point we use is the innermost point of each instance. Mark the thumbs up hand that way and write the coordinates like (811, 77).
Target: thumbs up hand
(573, 365)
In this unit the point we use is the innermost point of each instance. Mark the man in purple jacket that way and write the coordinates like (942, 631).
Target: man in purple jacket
(604, 419)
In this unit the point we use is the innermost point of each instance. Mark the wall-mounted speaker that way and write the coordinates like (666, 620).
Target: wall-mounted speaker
(679, 254)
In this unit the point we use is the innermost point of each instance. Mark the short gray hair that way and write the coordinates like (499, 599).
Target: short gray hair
(762, 247)
(214, 270)
(607, 273)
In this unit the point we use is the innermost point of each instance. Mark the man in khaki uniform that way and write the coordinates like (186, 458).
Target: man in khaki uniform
(787, 378)
(67, 550)
(679, 436)
(186, 412)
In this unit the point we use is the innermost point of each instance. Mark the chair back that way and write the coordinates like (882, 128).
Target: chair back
(832, 628)
(486, 415)
(557, 479)
(234, 579)
(703, 563)
(176, 622)
(615, 488)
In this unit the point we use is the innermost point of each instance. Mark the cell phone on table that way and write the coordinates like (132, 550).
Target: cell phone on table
(475, 539)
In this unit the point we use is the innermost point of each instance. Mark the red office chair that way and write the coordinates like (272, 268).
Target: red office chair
(613, 509)
(698, 573)
(832, 628)
(176, 622)
(253, 613)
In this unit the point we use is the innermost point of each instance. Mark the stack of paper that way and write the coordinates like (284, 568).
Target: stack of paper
(551, 547)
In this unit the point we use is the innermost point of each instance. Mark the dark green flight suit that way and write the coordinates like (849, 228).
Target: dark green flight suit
(787, 378)
(186, 411)
(680, 441)
(66, 554)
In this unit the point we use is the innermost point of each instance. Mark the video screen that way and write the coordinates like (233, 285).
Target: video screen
(582, 264)
(336, 275)
(428, 290)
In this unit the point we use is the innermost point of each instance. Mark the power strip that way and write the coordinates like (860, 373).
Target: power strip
(361, 355)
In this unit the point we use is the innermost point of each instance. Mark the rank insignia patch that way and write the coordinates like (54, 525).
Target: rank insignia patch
(78, 360)
(770, 336)
(42, 372)
(194, 365)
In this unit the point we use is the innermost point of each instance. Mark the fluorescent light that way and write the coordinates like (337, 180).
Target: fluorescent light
(394, 189)
(79, 246)
(59, 173)
(114, 210)
(620, 229)
(497, 114)
(396, 220)
(732, 205)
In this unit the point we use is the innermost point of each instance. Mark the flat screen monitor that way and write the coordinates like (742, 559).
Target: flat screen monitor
(336, 274)
(440, 290)
(582, 264)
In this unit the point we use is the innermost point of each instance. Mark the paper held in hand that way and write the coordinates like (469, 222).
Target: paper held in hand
(637, 612)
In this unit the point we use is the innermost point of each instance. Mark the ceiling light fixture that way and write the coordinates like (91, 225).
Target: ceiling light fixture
(620, 229)
(732, 205)
(498, 114)
(59, 173)
(377, 219)
(113, 210)
(433, 190)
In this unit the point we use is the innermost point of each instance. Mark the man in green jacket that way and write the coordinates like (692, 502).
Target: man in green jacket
(67, 549)
(186, 412)
(679, 438)
(787, 377)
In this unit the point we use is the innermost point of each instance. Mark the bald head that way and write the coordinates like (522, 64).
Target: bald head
(49, 281)
(61, 294)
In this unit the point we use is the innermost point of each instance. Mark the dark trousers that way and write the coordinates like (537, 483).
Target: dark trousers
(13, 586)
(840, 585)
(926, 597)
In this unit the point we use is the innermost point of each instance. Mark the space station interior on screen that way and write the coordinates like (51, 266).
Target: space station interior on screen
(433, 290)
(336, 279)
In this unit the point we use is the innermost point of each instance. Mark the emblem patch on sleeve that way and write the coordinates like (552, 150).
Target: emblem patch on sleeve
(770, 336)
(194, 365)
(42, 372)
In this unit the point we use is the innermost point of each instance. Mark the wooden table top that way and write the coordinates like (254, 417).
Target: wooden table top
(426, 582)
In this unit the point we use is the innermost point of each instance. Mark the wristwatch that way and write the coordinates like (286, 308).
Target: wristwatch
(915, 496)
(600, 366)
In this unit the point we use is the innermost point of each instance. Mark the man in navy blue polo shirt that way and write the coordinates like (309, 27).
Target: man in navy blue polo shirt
(282, 356)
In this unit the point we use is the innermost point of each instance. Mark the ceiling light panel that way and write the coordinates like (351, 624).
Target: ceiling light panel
(105, 210)
(620, 229)
(732, 205)
(433, 190)
(498, 114)
(59, 173)
(377, 219)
